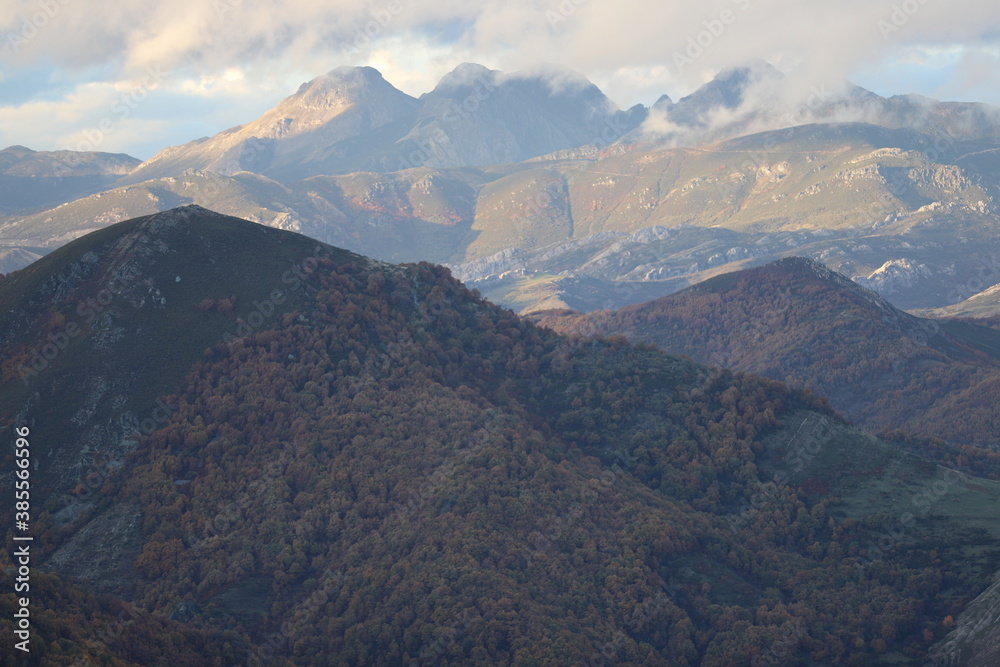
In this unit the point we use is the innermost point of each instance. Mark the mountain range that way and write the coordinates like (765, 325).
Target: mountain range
(352, 120)
(31, 180)
(538, 191)
(252, 447)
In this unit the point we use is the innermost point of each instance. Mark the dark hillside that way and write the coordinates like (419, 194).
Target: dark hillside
(386, 469)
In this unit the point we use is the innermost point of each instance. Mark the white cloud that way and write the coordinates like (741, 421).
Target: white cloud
(414, 64)
(585, 34)
(634, 49)
(231, 81)
(975, 76)
(109, 117)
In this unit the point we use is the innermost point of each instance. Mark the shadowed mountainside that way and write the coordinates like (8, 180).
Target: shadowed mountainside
(323, 457)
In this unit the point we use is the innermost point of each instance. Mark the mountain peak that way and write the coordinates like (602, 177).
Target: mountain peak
(480, 116)
(664, 102)
(803, 272)
(749, 73)
(462, 81)
(728, 88)
(303, 128)
(559, 83)
(18, 150)
(186, 212)
(339, 88)
(464, 75)
(350, 71)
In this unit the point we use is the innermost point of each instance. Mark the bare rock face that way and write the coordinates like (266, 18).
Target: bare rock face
(895, 275)
(351, 119)
(974, 641)
(306, 127)
(101, 553)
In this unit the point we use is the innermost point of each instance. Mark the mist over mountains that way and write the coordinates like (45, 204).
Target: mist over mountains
(351, 119)
(759, 98)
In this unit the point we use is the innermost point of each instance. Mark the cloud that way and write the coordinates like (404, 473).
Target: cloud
(84, 107)
(138, 117)
(635, 49)
(830, 39)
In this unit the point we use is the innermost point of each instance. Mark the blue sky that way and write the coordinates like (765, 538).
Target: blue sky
(138, 76)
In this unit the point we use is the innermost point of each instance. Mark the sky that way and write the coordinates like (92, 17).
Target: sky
(136, 76)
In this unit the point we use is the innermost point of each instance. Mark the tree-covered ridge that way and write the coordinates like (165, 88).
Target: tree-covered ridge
(799, 324)
(76, 627)
(392, 470)
(447, 483)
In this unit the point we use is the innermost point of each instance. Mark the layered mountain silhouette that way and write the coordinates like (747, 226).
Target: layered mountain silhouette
(477, 116)
(250, 446)
(307, 127)
(755, 98)
(351, 119)
(34, 180)
(506, 177)
(881, 205)
(796, 321)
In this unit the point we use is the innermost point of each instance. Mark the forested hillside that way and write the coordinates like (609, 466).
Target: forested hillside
(798, 322)
(383, 468)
